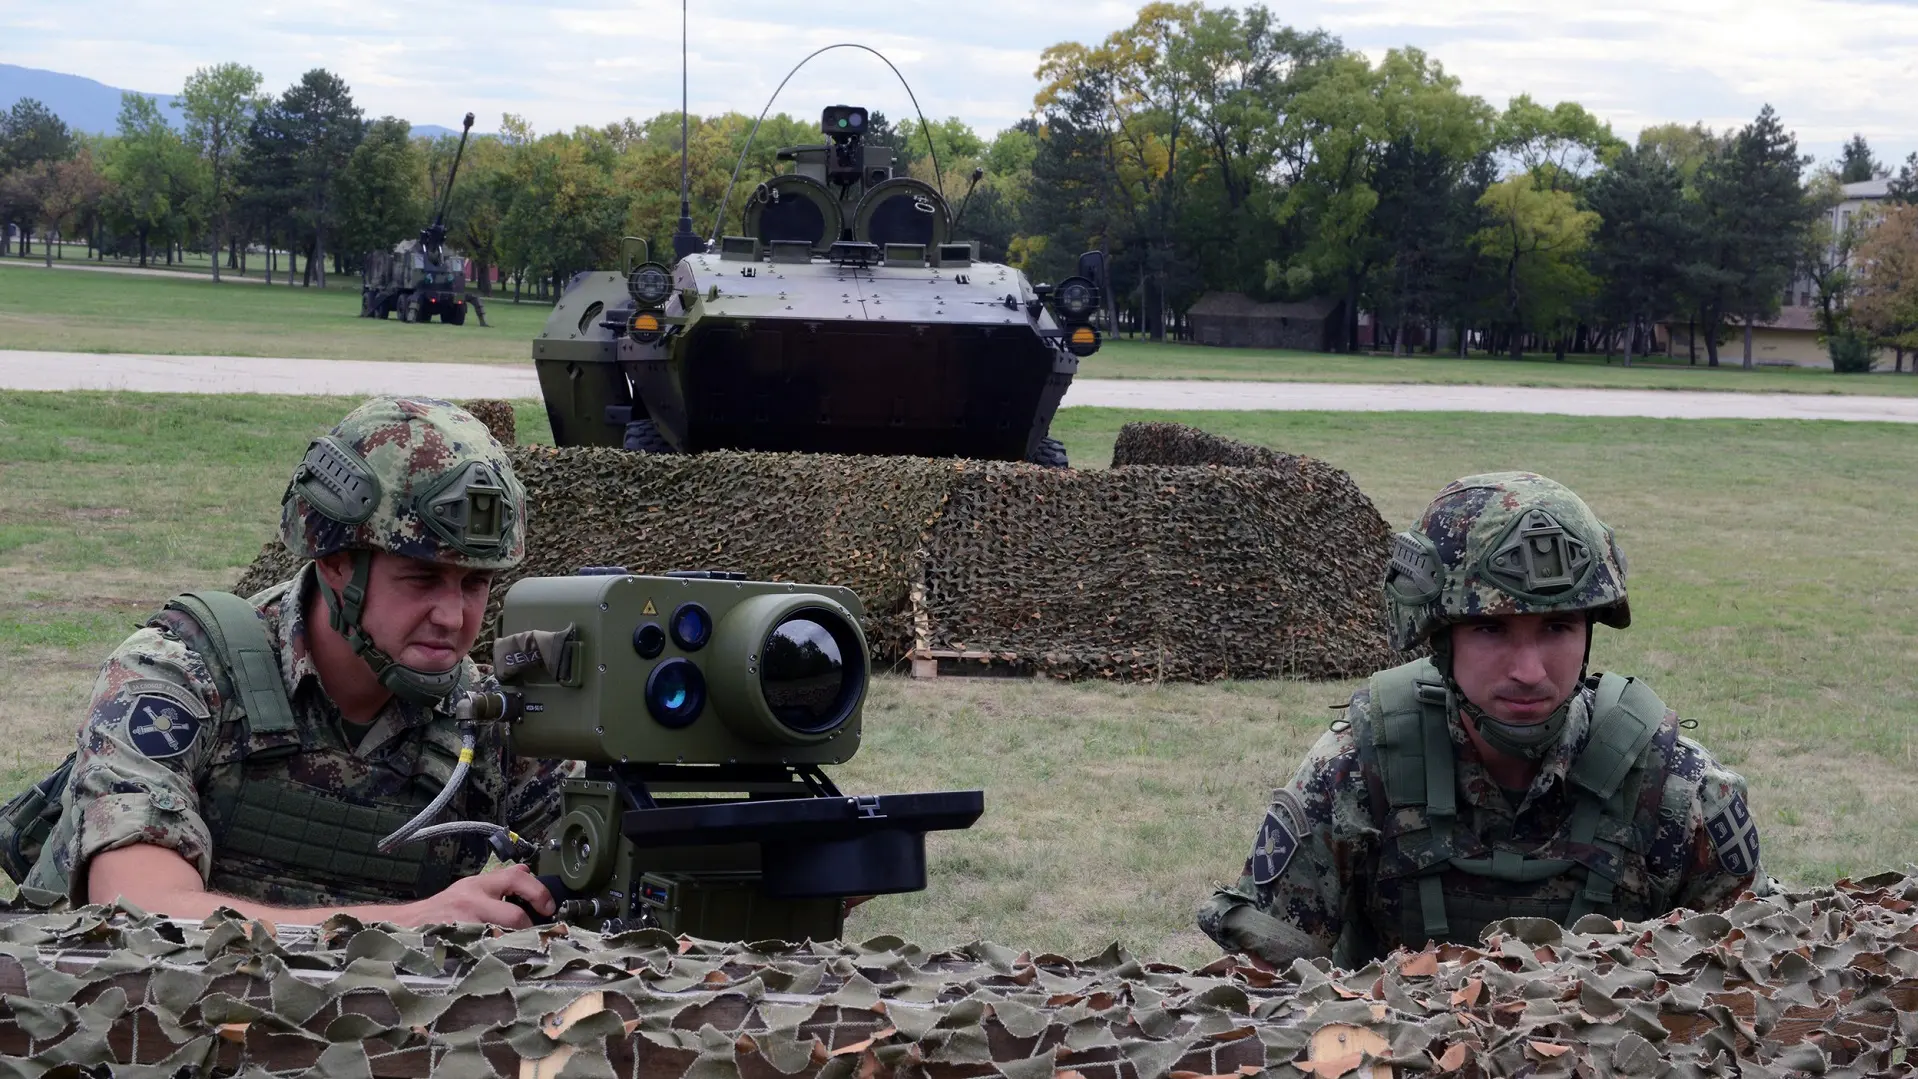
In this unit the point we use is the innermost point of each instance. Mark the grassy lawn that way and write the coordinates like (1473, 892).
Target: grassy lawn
(1771, 586)
(1146, 359)
(78, 311)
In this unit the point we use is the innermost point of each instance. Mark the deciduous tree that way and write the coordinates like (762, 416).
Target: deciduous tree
(1885, 303)
(382, 190)
(1538, 236)
(61, 192)
(159, 182)
(218, 103)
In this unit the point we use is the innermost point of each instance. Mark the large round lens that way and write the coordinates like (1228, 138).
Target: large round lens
(809, 673)
(649, 640)
(649, 284)
(692, 627)
(675, 692)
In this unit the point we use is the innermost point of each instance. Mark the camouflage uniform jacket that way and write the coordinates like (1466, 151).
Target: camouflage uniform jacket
(1320, 882)
(162, 757)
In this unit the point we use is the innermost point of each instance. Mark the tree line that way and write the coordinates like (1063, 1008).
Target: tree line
(1204, 149)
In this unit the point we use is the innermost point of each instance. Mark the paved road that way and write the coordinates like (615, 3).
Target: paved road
(21, 370)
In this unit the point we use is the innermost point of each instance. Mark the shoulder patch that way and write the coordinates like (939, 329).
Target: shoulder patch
(159, 727)
(1735, 837)
(1274, 848)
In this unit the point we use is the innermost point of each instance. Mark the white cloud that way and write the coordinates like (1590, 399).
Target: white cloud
(1830, 67)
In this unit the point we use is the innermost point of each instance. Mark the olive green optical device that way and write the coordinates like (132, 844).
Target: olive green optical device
(704, 706)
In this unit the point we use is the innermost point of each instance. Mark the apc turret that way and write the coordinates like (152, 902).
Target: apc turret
(843, 317)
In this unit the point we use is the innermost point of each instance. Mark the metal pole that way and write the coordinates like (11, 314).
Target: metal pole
(685, 240)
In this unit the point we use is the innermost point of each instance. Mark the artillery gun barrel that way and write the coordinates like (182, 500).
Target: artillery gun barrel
(446, 193)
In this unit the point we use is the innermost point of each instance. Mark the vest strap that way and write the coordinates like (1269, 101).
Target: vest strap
(1510, 865)
(238, 636)
(1432, 903)
(1625, 716)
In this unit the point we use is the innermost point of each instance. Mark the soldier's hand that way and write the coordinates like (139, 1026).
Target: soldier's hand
(486, 898)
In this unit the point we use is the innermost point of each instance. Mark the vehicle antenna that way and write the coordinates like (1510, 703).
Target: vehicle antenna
(978, 173)
(685, 240)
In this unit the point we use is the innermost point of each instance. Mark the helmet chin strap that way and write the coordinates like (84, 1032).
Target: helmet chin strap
(343, 614)
(1527, 741)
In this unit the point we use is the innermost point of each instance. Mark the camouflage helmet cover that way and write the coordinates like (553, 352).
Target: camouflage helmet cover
(416, 476)
(1498, 544)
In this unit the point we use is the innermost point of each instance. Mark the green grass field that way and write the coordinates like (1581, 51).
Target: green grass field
(1771, 586)
(185, 314)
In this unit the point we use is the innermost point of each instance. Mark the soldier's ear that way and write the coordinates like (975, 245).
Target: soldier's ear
(335, 569)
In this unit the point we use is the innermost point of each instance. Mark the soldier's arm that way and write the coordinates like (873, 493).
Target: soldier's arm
(159, 880)
(1296, 892)
(1724, 860)
(149, 733)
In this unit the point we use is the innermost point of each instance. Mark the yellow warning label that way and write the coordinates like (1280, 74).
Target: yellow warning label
(648, 609)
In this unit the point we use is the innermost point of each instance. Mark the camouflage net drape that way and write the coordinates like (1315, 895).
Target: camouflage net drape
(1194, 558)
(1822, 982)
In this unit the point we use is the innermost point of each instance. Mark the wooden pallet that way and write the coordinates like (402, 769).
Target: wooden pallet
(930, 662)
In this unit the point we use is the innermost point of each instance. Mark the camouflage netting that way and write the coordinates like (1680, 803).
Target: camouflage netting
(1166, 566)
(1822, 982)
(497, 415)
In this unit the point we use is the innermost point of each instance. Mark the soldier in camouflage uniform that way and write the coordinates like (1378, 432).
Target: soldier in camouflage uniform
(194, 788)
(1495, 779)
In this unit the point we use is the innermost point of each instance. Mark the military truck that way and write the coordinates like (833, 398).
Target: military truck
(844, 317)
(420, 278)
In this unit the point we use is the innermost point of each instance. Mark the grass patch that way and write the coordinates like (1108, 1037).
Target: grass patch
(188, 315)
(1147, 359)
(1771, 591)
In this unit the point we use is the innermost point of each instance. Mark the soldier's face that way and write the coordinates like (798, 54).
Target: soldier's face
(1519, 668)
(423, 614)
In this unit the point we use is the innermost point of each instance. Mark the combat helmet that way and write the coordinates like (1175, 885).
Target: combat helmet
(415, 476)
(1503, 543)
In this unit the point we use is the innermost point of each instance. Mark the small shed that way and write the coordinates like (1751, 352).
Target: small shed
(1235, 320)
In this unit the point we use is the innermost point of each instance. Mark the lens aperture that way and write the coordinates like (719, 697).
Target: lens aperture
(675, 692)
(805, 675)
(692, 627)
(649, 640)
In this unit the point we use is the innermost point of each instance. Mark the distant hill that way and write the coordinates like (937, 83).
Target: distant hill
(84, 104)
(94, 107)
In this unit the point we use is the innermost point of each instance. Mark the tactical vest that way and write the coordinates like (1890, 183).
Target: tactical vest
(282, 830)
(1439, 881)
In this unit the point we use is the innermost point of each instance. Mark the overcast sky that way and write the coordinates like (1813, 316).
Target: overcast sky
(1830, 67)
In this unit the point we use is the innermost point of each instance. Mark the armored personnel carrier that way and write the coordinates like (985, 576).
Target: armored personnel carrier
(420, 278)
(844, 317)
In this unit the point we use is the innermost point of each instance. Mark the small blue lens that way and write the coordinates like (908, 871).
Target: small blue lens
(692, 627)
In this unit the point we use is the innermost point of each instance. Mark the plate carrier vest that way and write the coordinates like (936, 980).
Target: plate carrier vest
(1446, 881)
